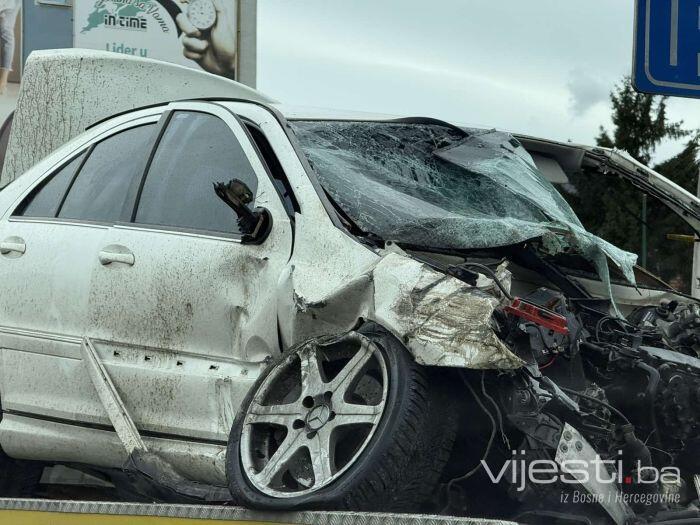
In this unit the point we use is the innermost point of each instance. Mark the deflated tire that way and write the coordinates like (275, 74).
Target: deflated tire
(344, 422)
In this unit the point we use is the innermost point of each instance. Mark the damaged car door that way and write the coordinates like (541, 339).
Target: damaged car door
(182, 305)
(48, 242)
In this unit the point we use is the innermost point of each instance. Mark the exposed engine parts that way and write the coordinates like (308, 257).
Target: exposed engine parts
(677, 326)
(677, 405)
(631, 387)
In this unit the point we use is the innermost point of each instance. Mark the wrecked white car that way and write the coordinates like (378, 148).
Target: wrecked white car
(224, 299)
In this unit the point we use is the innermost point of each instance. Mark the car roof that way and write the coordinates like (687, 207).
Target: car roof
(317, 113)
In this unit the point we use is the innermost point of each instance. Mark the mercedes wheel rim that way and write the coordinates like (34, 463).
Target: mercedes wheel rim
(314, 415)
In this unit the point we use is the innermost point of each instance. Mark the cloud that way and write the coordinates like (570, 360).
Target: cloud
(586, 90)
(530, 67)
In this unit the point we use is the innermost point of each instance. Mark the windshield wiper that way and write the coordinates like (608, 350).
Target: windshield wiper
(527, 257)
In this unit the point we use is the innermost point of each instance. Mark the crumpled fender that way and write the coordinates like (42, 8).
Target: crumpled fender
(441, 320)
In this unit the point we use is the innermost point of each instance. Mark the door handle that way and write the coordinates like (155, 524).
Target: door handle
(116, 254)
(13, 247)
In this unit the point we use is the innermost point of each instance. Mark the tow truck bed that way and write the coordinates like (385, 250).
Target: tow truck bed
(65, 512)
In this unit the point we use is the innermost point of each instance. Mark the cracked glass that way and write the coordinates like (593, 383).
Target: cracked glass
(436, 186)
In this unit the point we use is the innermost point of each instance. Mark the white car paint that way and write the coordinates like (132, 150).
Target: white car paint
(66, 90)
(183, 371)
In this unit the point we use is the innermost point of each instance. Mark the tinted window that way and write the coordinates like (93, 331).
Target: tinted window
(196, 151)
(279, 178)
(99, 192)
(45, 199)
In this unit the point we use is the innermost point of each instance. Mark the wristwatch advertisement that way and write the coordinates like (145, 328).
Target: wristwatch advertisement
(202, 14)
(202, 34)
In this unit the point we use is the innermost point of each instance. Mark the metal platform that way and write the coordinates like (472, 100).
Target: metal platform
(59, 512)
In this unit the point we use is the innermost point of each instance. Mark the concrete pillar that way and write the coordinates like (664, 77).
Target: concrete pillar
(247, 42)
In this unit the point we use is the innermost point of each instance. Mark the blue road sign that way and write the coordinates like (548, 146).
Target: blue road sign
(667, 47)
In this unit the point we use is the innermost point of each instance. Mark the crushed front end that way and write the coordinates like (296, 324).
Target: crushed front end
(577, 405)
(601, 422)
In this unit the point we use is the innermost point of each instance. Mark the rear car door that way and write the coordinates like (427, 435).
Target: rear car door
(48, 245)
(183, 313)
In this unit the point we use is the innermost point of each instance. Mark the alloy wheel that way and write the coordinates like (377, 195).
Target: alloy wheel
(313, 415)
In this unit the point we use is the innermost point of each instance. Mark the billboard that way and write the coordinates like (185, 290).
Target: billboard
(195, 33)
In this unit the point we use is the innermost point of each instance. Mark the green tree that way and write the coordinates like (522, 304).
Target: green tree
(640, 123)
(683, 168)
(614, 209)
(672, 259)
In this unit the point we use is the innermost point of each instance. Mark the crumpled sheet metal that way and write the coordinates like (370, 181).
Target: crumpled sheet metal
(441, 320)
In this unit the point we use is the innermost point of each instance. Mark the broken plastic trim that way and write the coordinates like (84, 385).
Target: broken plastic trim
(161, 478)
(158, 473)
(538, 315)
(254, 225)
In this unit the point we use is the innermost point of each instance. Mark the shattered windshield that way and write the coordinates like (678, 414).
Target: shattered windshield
(435, 186)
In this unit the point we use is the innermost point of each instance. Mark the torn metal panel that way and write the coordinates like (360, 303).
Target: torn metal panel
(141, 462)
(441, 320)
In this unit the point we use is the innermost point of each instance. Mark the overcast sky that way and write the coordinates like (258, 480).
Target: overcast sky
(541, 67)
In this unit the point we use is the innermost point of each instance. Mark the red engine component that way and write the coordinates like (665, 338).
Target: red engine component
(538, 315)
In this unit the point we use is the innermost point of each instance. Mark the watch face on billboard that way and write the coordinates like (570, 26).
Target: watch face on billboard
(194, 33)
(202, 14)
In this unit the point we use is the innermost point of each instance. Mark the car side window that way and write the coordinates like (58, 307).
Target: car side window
(46, 198)
(196, 151)
(100, 189)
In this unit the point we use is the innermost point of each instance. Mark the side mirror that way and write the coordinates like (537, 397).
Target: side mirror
(254, 224)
